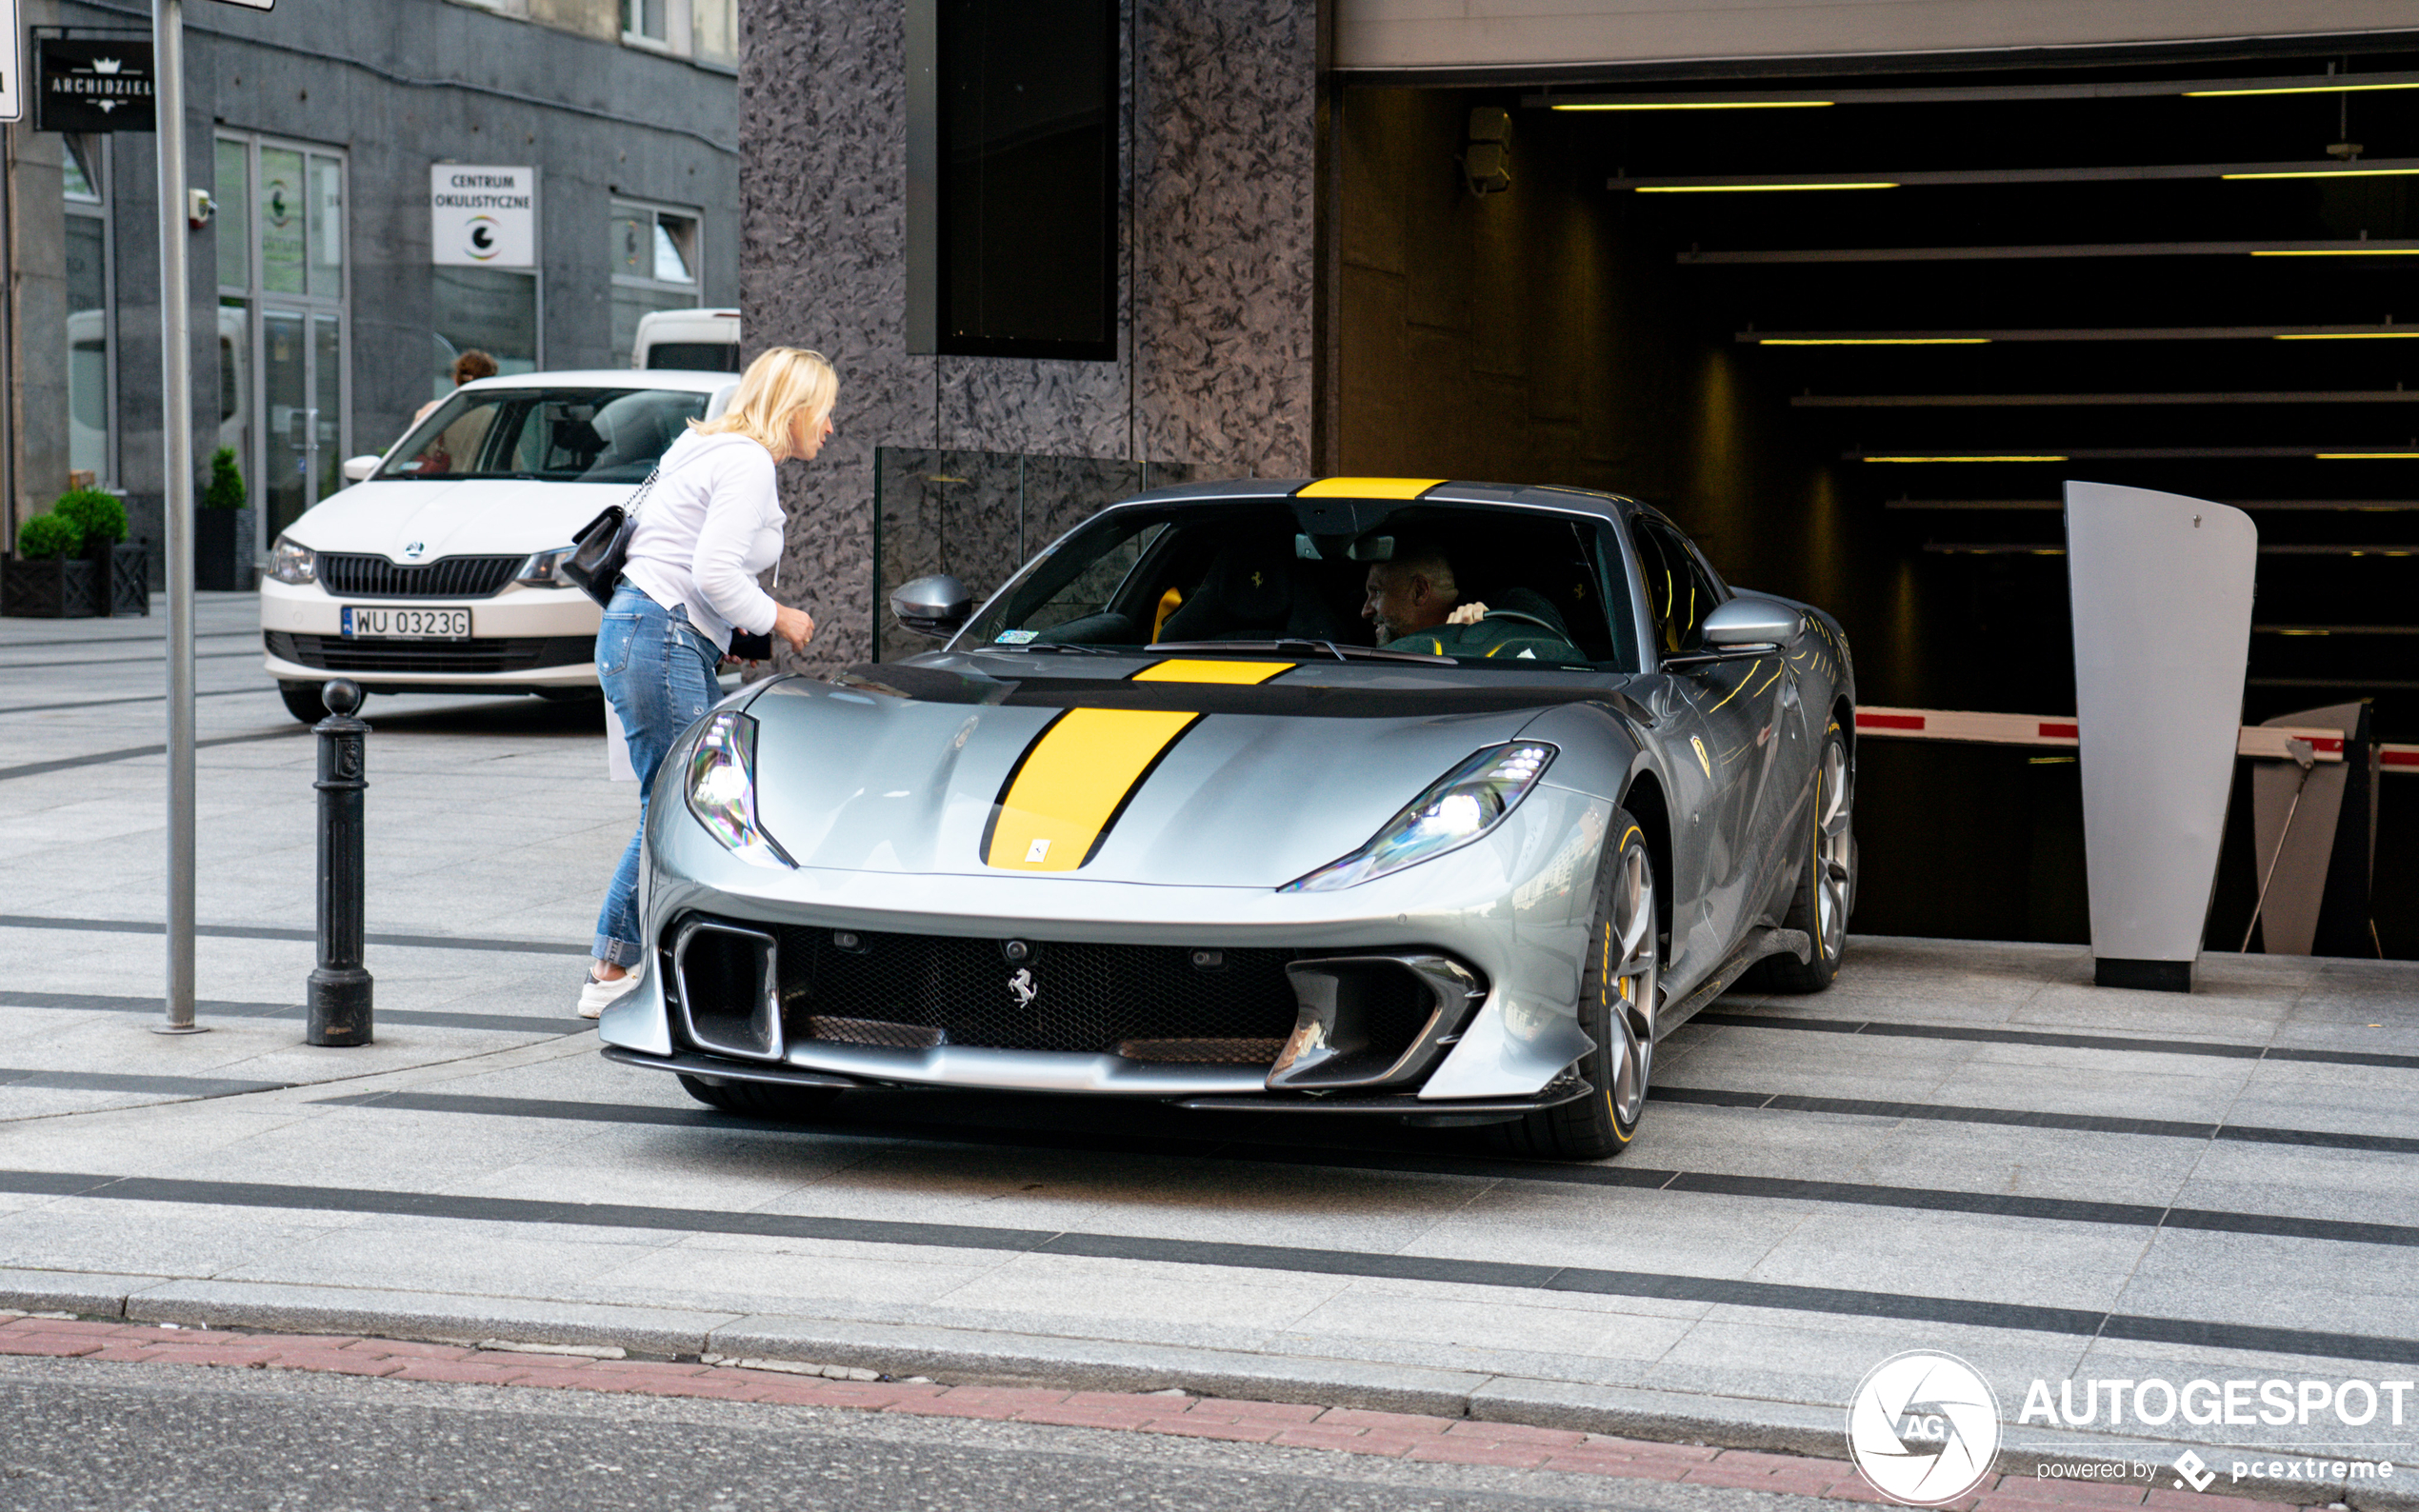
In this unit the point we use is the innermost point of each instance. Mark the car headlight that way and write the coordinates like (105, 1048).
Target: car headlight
(722, 789)
(543, 570)
(290, 561)
(1457, 808)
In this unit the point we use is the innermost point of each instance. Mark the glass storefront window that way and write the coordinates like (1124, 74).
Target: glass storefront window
(489, 310)
(327, 226)
(655, 255)
(91, 406)
(281, 221)
(234, 221)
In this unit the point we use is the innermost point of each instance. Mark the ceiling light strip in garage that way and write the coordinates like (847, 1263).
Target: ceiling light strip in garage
(1974, 338)
(1726, 183)
(1981, 254)
(2130, 88)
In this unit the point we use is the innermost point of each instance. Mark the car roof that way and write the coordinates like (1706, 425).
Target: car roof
(611, 378)
(1390, 493)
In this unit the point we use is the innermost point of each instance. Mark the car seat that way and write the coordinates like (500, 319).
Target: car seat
(1256, 592)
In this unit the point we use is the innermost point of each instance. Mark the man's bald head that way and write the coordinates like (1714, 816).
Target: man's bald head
(1412, 592)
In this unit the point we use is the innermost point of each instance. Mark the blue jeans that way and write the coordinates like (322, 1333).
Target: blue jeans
(659, 673)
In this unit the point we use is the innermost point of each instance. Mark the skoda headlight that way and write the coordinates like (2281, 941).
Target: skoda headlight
(543, 570)
(1459, 807)
(290, 561)
(722, 789)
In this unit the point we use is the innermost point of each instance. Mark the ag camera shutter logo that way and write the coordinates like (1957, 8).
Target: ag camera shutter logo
(1923, 1427)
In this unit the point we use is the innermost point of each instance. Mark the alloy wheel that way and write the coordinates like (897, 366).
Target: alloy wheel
(1833, 854)
(1633, 975)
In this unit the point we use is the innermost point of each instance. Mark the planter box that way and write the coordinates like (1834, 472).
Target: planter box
(126, 570)
(60, 588)
(222, 550)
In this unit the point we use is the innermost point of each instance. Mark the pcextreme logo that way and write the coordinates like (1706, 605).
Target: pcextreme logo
(1924, 1427)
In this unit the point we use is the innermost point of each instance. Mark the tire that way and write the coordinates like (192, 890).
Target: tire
(760, 1100)
(302, 700)
(1826, 893)
(1617, 1007)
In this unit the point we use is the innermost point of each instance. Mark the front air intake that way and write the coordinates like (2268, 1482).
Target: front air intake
(728, 979)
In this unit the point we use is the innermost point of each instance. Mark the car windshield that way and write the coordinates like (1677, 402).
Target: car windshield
(1514, 589)
(561, 435)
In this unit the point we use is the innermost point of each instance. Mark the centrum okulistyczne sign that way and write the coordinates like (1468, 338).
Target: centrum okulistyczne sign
(482, 216)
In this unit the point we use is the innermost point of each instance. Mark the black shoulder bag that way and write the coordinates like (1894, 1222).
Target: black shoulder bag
(600, 547)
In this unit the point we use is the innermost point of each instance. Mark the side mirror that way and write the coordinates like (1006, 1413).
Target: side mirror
(358, 469)
(1748, 621)
(937, 606)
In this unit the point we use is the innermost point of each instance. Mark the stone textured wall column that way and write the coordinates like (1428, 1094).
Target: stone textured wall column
(1214, 319)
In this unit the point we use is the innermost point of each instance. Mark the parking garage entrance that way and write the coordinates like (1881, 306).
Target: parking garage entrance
(1855, 331)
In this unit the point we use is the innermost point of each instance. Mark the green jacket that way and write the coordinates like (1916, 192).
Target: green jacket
(1523, 629)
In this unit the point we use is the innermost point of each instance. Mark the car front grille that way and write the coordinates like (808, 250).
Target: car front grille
(518, 653)
(1163, 1004)
(452, 577)
(1144, 1002)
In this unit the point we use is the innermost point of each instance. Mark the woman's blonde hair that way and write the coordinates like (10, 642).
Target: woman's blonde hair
(780, 381)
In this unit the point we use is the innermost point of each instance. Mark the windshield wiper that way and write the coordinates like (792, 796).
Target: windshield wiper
(1070, 647)
(1300, 647)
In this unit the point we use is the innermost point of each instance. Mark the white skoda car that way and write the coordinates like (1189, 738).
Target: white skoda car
(437, 571)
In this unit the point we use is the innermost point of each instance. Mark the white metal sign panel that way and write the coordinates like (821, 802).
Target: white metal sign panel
(482, 217)
(252, 5)
(12, 63)
(2162, 592)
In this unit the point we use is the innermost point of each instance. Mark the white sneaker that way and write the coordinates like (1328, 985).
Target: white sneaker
(596, 996)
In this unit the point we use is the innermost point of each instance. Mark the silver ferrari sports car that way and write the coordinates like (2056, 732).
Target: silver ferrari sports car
(1393, 797)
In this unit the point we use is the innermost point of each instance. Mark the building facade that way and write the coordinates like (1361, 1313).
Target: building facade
(322, 319)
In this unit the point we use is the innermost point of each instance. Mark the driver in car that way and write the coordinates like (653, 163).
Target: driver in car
(1414, 604)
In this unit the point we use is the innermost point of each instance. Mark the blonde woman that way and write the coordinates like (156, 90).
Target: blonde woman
(711, 522)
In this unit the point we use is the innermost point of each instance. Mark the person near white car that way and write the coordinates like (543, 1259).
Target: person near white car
(711, 522)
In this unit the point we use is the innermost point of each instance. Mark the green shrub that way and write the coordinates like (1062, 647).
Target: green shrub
(226, 490)
(48, 535)
(96, 516)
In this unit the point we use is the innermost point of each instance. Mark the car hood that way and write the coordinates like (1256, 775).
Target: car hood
(475, 517)
(901, 768)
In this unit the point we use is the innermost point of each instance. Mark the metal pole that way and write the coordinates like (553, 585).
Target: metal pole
(338, 993)
(177, 425)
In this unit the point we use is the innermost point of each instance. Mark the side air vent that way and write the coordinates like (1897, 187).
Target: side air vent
(729, 980)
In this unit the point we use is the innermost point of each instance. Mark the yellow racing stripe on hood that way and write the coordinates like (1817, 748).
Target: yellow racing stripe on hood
(1073, 781)
(1209, 671)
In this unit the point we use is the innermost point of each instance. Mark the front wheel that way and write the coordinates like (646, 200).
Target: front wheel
(1619, 987)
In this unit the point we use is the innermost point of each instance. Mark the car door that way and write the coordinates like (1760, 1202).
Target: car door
(1727, 725)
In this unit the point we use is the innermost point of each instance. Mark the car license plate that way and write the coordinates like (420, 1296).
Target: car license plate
(406, 625)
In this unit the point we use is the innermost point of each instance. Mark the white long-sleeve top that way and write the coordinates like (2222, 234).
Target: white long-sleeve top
(711, 523)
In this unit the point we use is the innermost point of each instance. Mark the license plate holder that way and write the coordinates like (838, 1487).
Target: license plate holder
(364, 621)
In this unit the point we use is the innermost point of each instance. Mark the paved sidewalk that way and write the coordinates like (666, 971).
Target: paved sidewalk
(1306, 1425)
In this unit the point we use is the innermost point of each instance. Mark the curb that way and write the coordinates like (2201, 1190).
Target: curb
(989, 1360)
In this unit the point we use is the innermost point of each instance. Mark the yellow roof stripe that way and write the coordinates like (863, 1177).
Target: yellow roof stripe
(1206, 671)
(1072, 783)
(1367, 487)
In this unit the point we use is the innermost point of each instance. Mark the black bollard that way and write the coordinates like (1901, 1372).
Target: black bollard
(339, 992)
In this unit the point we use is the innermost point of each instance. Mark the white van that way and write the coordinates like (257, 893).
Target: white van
(696, 340)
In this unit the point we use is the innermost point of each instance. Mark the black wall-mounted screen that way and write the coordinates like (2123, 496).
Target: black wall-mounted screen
(1026, 202)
